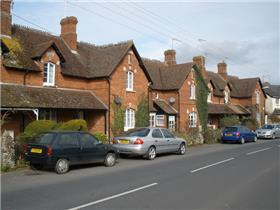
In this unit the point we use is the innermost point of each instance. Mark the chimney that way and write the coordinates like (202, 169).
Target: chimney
(68, 31)
(6, 18)
(199, 61)
(222, 69)
(170, 57)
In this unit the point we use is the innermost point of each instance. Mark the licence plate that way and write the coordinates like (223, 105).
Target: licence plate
(124, 141)
(35, 150)
(228, 134)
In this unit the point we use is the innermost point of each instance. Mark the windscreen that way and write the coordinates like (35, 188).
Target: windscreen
(231, 129)
(45, 139)
(267, 127)
(141, 132)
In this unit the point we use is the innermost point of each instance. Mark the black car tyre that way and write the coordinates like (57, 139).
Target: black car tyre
(61, 166)
(151, 154)
(182, 149)
(242, 141)
(255, 139)
(110, 159)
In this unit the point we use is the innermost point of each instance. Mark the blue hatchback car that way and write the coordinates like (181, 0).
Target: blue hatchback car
(240, 134)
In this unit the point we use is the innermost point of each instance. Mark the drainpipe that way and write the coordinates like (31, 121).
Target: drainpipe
(109, 109)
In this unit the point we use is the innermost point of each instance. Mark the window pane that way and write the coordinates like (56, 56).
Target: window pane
(87, 141)
(68, 140)
(157, 134)
(140, 132)
(167, 134)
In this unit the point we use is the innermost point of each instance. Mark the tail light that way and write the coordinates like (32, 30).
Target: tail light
(49, 152)
(139, 141)
(237, 134)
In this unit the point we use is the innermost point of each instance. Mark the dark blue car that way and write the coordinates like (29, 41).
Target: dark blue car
(240, 134)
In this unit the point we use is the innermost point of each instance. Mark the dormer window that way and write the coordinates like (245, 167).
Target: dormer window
(129, 81)
(49, 74)
(192, 91)
(226, 96)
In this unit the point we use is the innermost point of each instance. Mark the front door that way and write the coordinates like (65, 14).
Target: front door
(171, 123)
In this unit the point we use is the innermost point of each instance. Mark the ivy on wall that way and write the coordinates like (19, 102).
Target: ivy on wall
(118, 122)
(201, 96)
(142, 114)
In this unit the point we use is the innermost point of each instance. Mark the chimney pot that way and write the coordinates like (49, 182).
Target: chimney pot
(68, 31)
(200, 63)
(170, 57)
(6, 18)
(222, 69)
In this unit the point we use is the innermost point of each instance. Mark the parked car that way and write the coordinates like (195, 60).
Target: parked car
(63, 149)
(148, 142)
(239, 134)
(268, 131)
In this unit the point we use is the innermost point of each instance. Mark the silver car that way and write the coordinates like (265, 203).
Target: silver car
(148, 142)
(269, 131)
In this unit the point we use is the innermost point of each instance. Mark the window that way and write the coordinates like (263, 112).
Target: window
(277, 101)
(160, 120)
(209, 97)
(167, 134)
(192, 91)
(88, 141)
(257, 98)
(48, 115)
(226, 97)
(192, 119)
(68, 140)
(152, 119)
(171, 123)
(129, 81)
(129, 119)
(129, 59)
(157, 134)
(49, 74)
(139, 132)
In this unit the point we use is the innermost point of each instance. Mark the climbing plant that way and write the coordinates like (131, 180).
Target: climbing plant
(201, 96)
(142, 113)
(118, 122)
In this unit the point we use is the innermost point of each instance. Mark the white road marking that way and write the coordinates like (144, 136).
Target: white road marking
(214, 164)
(261, 150)
(113, 196)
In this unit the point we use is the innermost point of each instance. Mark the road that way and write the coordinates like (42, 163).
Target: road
(220, 176)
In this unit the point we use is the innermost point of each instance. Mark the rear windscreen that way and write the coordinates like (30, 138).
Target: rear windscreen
(142, 132)
(267, 127)
(44, 139)
(231, 129)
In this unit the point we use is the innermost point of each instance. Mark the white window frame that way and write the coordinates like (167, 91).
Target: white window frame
(152, 120)
(257, 98)
(129, 80)
(192, 92)
(160, 120)
(192, 119)
(50, 80)
(209, 97)
(129, 120)
(226, 98)
(172, 123)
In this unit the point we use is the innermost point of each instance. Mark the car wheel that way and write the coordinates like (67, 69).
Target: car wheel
(182, 149)
(151, 154)
(255, 139)
(242, 141)
(110, 159)
(62, 166)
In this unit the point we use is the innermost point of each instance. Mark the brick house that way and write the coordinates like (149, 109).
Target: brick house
(172, 96)
(56, 77)
(230, 95)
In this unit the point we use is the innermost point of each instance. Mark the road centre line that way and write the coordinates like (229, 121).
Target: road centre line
(250, 153)
(214, 164)
(113, 196)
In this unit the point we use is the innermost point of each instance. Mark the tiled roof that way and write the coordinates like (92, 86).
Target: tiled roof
(227, 109)
(167, 77)
(164, 106)
(20, 96)
(272, 90)
(90, 61)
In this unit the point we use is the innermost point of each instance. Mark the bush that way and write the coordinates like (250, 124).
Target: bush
(229, 121)
(212, 136)
(274, 118)
(101, 137)
(192, 137)
(74, 125)
(250, 123)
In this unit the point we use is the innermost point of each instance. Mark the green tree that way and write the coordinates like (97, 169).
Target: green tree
(118, 125)
(142, 114)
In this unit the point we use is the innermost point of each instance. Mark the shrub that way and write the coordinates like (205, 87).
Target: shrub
(274, 118)
(101, 137)
(192, 136)
(142, 114)
(74, 125)
(118, 124)
(229, 121)
(250, 123)
(212, 136)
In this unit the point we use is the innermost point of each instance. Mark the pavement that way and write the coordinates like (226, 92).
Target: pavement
(219, 176)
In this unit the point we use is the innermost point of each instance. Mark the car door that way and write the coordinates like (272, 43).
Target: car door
(171, 143)
(249, 134)
(278, 131)
(68, 146)
(158, 140)
(91, 150)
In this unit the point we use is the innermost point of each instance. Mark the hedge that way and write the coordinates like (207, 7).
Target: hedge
(101, 137)
(73, 125)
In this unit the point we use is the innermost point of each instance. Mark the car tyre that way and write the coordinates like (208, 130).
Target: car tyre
(62, 166)
(151, 154)
(242, 141)
(110, 159)
(182, 149)
(255, 139)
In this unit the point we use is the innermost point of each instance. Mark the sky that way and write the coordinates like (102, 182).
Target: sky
(244, 34)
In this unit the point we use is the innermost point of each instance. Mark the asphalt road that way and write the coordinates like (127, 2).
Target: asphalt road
(230, 176)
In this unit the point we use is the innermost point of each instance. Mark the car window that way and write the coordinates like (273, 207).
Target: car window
(167, 133)
(267, 127)
(157, 134)
(45, 138)
(231, 129)
(68, 140)
(88, 141)
(140, 132)
(246, 129)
